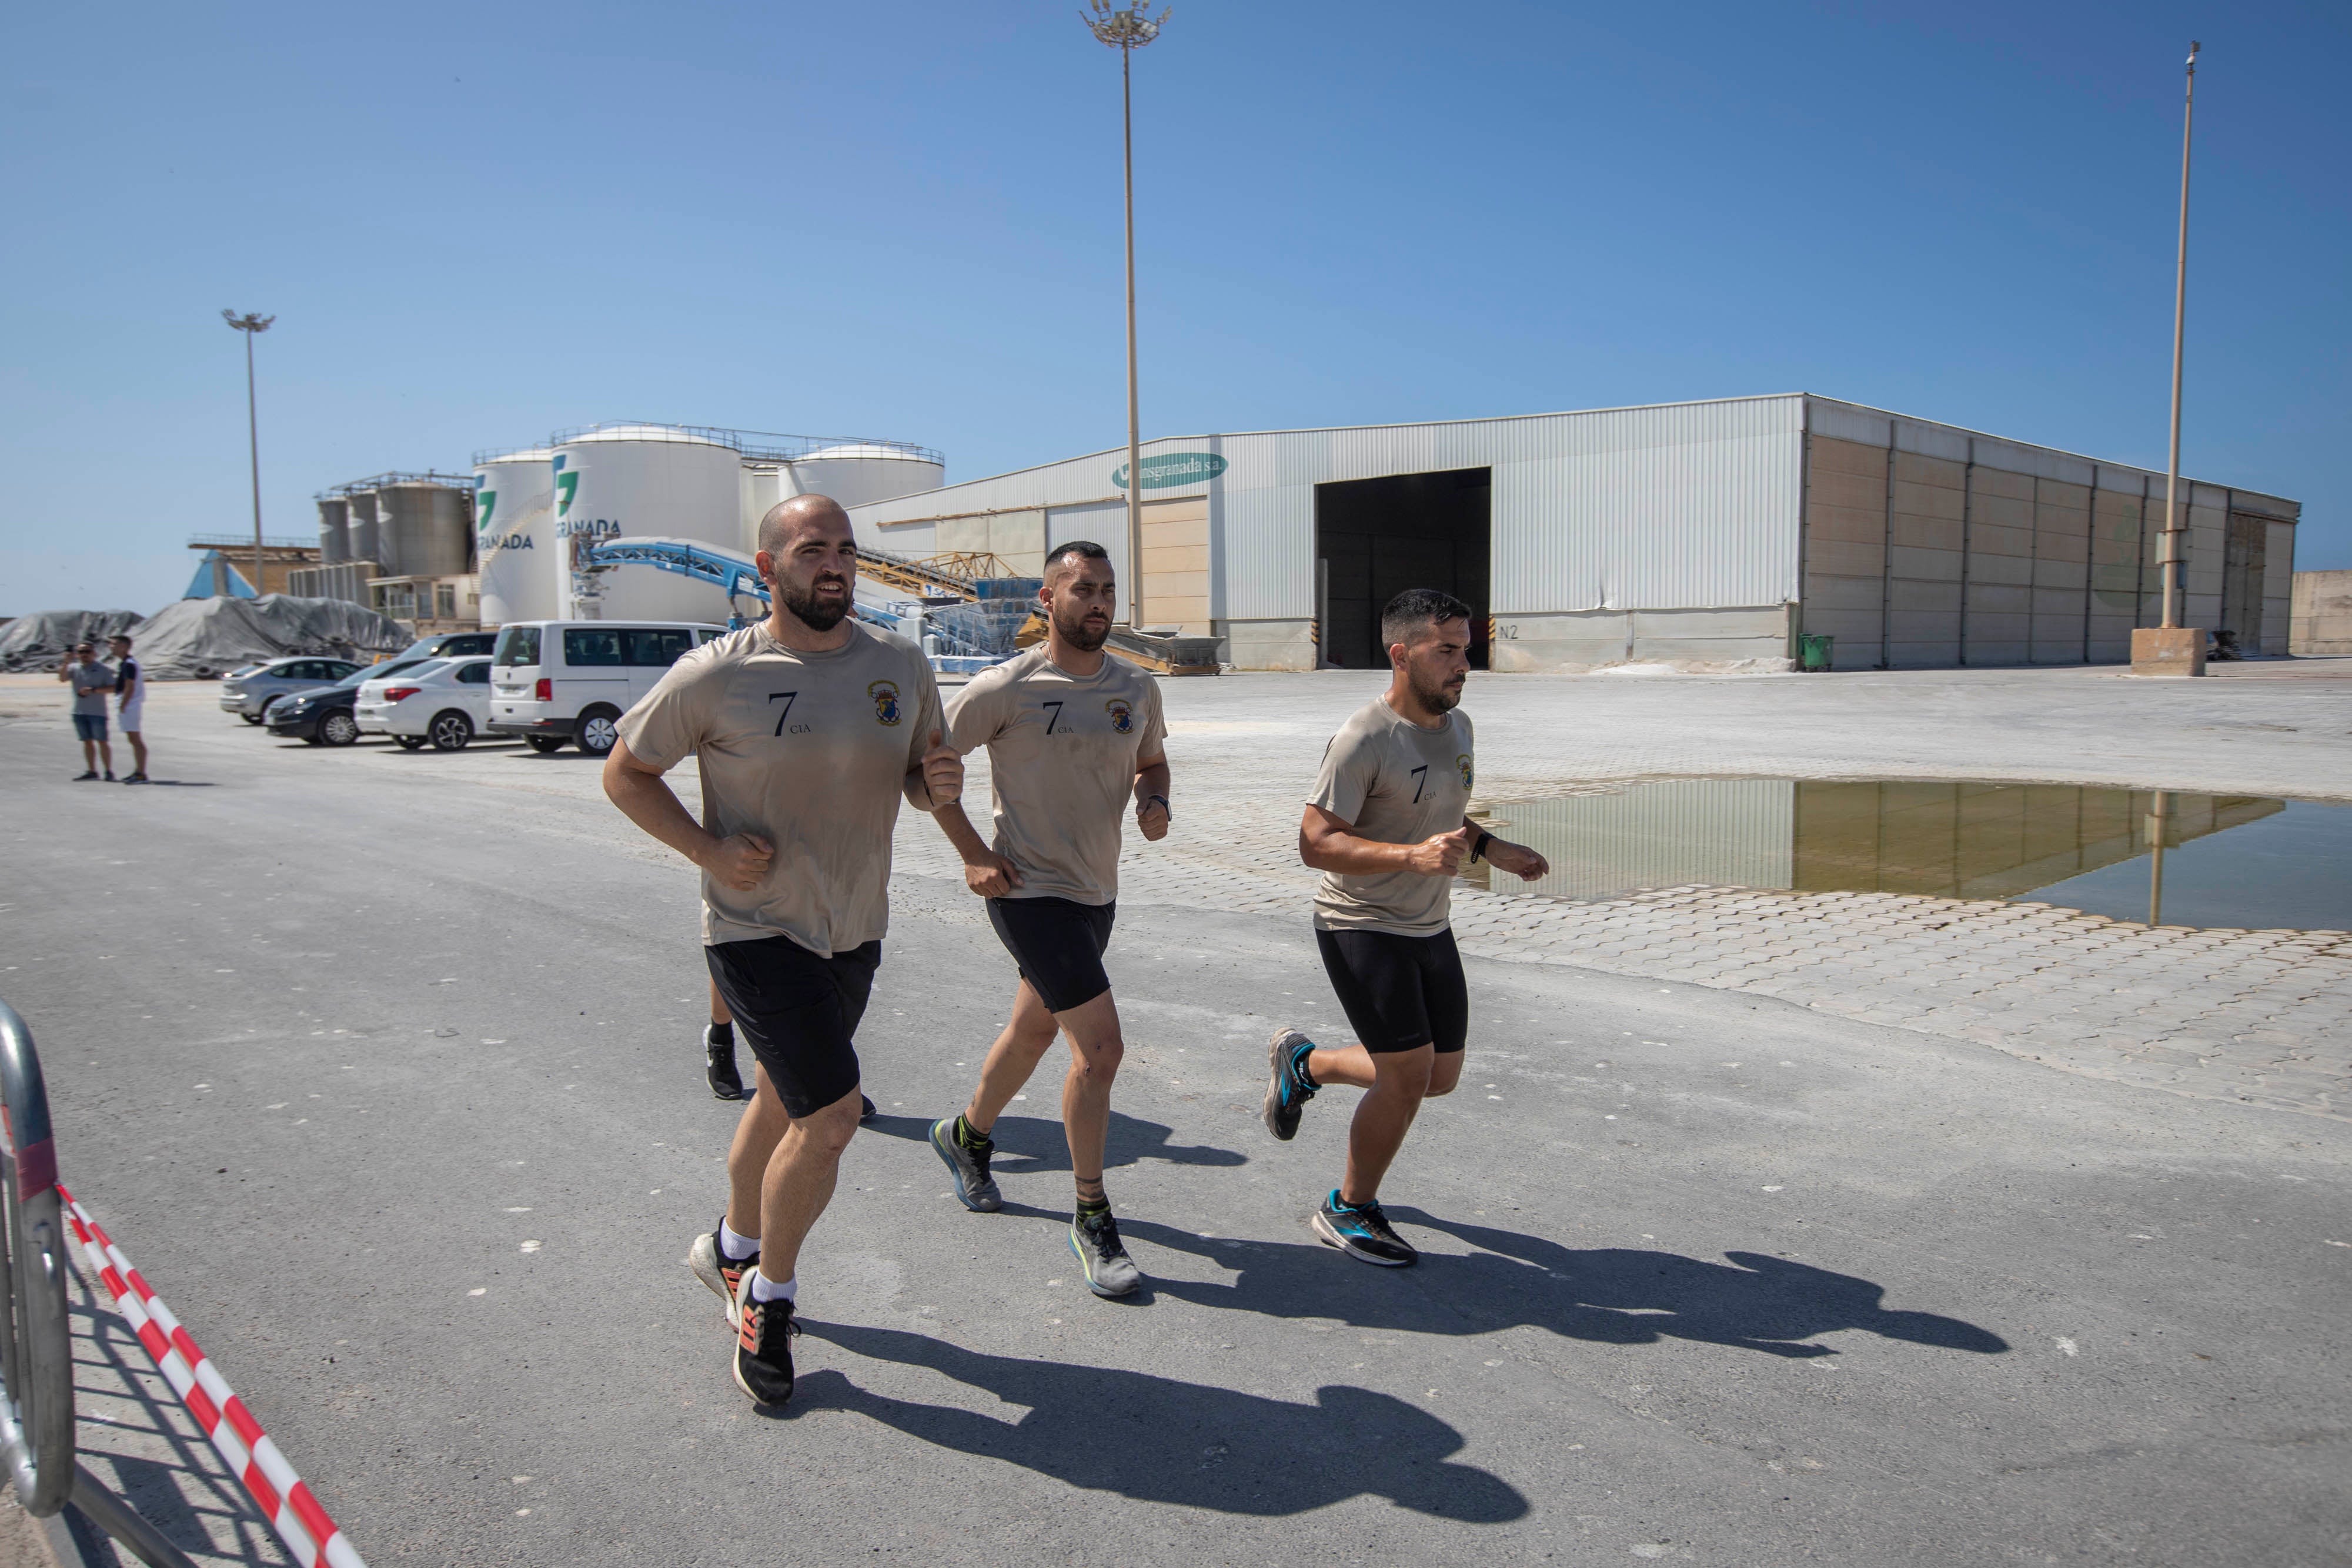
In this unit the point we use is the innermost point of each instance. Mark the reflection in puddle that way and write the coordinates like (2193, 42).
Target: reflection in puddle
(2207, 859)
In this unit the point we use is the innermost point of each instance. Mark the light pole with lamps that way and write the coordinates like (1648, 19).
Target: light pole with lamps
(251, 324)
(1128, 31)
(2172, 649)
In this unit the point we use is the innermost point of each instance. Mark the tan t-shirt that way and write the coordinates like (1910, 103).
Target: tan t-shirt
(1398, 784)
(811, 752)
(1062, 757)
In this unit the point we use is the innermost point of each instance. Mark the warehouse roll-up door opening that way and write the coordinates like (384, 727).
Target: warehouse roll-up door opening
(1376, 538)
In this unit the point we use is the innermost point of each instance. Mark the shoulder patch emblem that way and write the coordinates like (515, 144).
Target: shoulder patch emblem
(1122, 717)
(885, 700)
(1462, 765)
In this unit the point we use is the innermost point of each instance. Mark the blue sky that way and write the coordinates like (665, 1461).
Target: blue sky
(477, 223)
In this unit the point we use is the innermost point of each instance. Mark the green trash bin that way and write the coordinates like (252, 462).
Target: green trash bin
(1813, 650)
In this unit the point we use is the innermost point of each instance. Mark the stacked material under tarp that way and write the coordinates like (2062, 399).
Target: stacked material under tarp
(40, 640)
(197, 639)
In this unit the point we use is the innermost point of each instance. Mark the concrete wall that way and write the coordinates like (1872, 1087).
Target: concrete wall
(1569, 641)
(1269, 644)
(2322, 608)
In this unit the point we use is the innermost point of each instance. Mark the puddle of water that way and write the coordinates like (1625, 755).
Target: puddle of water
(2224, 860)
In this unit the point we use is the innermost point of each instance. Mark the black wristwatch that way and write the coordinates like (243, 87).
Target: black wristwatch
(1163, 805)
(1484, 837)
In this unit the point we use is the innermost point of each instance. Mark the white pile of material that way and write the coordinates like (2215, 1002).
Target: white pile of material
(40, 640)
(198, 639)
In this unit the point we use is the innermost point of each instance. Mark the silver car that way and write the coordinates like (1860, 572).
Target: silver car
(247, 693)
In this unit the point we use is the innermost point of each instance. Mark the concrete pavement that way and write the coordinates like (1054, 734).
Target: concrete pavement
(381, 1066)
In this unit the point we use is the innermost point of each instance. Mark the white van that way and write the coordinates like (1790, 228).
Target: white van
(553, 680)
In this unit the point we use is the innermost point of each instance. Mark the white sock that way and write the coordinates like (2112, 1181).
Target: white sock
(766, 1290)
(735, 1246)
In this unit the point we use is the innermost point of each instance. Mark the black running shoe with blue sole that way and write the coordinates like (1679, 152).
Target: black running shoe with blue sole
(1287, 1089)
(1362, 1232)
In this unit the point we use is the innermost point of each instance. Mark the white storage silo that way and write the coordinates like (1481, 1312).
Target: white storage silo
(423, 527)
(857, 473)
(643, 481)
(514, 536)
(365, 545)
(334, 530)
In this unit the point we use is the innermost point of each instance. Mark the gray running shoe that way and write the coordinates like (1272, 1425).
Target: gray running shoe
(1363, 1231)
(974, 1186)
(1287, 1089)
(1109, 1271)
(717, 1270)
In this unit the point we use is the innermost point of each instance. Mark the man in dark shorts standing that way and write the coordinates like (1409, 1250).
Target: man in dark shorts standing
(807, 728)
(1073, 734)
(1386, 826)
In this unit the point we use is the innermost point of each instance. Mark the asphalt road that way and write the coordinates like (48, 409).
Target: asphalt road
(384, 1068)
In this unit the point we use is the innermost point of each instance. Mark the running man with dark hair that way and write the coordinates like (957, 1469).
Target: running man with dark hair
(1073, 734)
(1387, 828)
(807, 729)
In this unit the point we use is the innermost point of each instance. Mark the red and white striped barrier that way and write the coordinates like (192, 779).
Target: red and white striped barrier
(285, 1501)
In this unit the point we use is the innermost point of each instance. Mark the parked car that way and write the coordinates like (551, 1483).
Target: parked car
(446, 646)
(441, 701)
(323, 715)
(553, 680)
(249, 693)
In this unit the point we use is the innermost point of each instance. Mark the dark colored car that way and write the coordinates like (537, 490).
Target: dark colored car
(322, 715)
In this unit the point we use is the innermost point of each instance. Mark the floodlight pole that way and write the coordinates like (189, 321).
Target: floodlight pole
(2173, 522)
(1128, 31)
(252, 325)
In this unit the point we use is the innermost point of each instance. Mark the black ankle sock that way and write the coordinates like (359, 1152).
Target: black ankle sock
(1092, 1209)
(722, 1033)
(969, 1136)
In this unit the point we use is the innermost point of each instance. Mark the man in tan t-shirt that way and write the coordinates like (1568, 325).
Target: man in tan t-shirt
(1387, 827)
(1073, 734)
(807, 729)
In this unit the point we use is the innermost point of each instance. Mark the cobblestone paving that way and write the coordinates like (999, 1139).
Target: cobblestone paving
(2257, 1017)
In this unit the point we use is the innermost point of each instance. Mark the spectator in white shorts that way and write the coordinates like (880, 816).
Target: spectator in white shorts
(131, 702)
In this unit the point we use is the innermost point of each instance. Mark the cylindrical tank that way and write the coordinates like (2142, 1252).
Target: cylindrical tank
(857, 473)
(514, 536)
(425, 529)
(365, 543)
(334, 530)
(643, 481)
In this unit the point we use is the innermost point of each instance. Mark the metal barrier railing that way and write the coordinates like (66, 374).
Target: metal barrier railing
(37, 1388)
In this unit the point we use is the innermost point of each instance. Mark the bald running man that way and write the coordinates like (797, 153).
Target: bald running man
(1073, 736)
(807, 728)
(1387, 826)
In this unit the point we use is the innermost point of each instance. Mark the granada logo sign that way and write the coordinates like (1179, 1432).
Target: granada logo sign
(1170, 470)
(565, 483)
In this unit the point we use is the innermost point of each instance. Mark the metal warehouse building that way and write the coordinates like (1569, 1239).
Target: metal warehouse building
(1704, 534)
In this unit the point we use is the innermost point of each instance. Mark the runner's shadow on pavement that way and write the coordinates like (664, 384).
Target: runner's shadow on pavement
(1157, 1439)
(1609, 1295)
(1026, 1145)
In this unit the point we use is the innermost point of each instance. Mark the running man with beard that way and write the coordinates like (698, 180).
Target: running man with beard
(1386, 826)
(1073, 734)
(807, 728)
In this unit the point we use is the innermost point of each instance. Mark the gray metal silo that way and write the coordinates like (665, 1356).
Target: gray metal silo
(334, 530)
(425, 526)
(365, 543)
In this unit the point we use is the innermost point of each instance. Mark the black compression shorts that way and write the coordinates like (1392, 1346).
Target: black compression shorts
(1400, 993)
(797, 1010)
(1058, 945)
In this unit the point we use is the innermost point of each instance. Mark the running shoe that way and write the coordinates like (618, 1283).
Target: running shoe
(974, 1186)
(1109, 1271)
(715, 1269)
(1362, 1232)
(719, 1073)
(866, 1111)
(135, 779)
(83, 778)
(764, 1345)
(1287, 1089)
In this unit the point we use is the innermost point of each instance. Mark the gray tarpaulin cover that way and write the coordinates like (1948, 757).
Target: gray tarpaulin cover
(40, 640)
(196, 639)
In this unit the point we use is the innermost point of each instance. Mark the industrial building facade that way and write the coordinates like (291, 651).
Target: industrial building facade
(1708, 535)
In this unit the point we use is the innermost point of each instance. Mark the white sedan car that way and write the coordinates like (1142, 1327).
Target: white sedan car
(445, 702)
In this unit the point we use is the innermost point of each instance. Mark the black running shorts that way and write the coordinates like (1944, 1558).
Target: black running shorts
(1058, 945)
(797, 1010)
(1400, 993)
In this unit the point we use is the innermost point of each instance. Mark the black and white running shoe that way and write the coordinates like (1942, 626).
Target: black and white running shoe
(715, 1269)
(1109, 1271)
(1287, 1089)
(1362, 1232)
(719, 1071)
(764, 1345)
(975, 1189)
